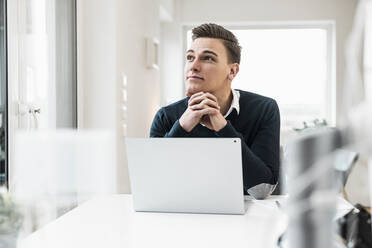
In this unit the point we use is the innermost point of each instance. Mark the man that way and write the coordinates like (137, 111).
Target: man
(213, 109)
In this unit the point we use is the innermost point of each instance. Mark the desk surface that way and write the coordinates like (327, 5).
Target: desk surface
(110, 221)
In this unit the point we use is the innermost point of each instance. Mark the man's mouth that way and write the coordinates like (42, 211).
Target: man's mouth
(195, 77)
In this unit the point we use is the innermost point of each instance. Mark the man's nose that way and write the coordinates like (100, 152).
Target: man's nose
(194, 65)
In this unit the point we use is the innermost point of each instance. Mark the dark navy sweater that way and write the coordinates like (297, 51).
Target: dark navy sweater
(257, 125)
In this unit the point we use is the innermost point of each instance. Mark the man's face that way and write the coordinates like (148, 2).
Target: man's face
(207, 68)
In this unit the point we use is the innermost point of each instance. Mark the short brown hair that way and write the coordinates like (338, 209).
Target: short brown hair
(211, 30)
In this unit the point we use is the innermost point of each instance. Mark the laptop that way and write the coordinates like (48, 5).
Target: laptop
(186, 175)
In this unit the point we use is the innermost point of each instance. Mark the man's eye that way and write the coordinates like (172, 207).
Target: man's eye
(189, 57)
(208, 58)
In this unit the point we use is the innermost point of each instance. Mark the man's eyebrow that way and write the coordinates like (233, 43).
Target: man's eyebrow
(211, 52)
(205, 51)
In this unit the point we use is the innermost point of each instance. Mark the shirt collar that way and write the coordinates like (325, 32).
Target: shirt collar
(234, 102)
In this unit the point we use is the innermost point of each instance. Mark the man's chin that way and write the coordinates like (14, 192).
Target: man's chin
(191, 92)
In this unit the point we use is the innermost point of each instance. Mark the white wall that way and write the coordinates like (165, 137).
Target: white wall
(172, 63)
(96, 41)
(111, 41)
(166, 10)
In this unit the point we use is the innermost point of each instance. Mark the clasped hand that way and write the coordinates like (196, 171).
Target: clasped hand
(202, 108)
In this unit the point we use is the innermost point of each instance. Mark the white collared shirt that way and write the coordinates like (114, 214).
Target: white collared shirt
(234, 103)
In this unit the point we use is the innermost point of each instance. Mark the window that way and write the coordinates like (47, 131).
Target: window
(291, 65)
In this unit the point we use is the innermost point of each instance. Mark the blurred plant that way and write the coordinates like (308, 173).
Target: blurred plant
(314, 124)
(11, 218)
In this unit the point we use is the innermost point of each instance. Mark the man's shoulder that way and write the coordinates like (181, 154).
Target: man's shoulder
(254, 106)
(176, 106)
(247, 97)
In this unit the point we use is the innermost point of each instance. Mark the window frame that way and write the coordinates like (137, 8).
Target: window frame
(4, 91)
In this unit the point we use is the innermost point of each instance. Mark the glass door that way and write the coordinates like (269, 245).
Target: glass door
(42, 86)
(46, 64)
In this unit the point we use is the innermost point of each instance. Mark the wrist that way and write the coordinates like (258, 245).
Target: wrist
(184, 126)
(221, 126)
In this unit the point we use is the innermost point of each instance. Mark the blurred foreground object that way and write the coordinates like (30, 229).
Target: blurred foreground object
(54, 171)
(357, 98)
(10, 220)
(312, 181)
(312, 187)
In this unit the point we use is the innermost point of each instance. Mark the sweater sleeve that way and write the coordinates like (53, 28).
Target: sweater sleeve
(162, 127)
(261, 159)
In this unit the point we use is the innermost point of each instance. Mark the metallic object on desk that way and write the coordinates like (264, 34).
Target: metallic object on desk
(312, 188)
(261, 191)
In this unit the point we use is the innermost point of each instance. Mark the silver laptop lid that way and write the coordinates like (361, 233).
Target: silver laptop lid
(193, 175)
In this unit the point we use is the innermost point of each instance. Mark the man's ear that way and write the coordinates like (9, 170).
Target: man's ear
(233, 71)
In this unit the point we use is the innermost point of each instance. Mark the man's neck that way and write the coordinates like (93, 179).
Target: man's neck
(224, 100)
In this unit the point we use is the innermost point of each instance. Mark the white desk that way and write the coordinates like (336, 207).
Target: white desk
(111, 222)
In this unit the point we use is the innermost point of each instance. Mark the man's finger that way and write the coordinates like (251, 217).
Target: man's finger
(211, 96)
(198, 99)
(208, 111)
(196, 95)
(205, 104)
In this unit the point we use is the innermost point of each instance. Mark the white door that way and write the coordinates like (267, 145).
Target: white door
(41, 66)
